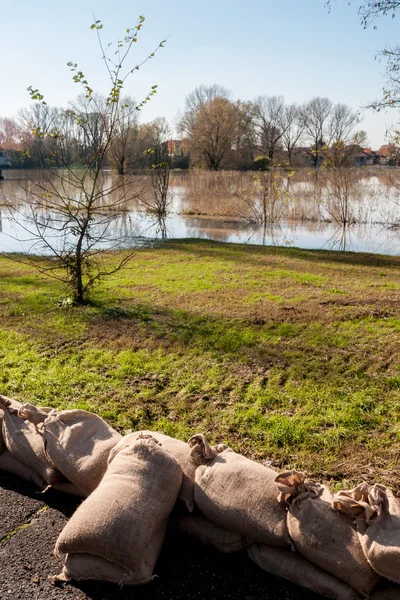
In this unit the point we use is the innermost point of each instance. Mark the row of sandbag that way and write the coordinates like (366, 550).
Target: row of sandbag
(133, 484)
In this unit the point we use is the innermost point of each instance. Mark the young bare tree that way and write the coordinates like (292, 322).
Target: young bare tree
(340, 179)
(159, 200)
(73, 213)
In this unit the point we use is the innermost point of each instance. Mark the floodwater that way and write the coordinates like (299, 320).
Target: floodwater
(301, 210)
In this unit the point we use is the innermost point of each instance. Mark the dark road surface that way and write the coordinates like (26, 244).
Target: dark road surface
(30, 523)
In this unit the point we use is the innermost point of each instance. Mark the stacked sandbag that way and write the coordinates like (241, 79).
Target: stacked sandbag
(241, 495)
(377, 514)
(292, 566)
(207, 532)
(10, 464)
(25, 444)
(385, 591)
(328, 539)
(77, 442)
(180, 450)
(116, 534)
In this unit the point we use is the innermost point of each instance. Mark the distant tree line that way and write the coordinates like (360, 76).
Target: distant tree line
(217, 133)
(42, 136)
(226, 134)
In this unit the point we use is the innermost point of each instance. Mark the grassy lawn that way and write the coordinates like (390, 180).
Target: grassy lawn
(290, 356)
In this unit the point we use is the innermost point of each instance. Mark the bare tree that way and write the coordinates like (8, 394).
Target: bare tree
(270, 123)
(72, 214)
(293, 129)
(123, 147)
(204, 94)
(340, 179)
(37, 123)
(159, 201)
(314, 117)
(342, 122)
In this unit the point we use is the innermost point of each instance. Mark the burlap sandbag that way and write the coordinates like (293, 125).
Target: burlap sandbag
(385, 591)
(377, 514)
(13, 405)
(282, 562)
(180, 450)
(86, 566)
(79, 443)
(124, 519)
(10, 464)
(241, 495)
(25, 443)
(325, 537)
(207, 532)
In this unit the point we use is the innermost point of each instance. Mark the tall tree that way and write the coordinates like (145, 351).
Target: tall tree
(202, 95)
(270, 123)
(293, 129)
(123, 148)
(211, 130)
(314, 117)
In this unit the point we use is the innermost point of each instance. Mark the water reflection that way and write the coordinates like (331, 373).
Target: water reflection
(208, 205)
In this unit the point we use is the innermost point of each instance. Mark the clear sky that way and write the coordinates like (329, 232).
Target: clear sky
(290, 47)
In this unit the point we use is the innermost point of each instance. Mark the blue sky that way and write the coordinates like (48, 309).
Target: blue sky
(291, 47)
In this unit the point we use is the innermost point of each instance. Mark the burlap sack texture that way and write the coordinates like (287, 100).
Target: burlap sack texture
(123, 521)
(289, 565)
(385, 591)
(325, 537)
(207, 532)
(180, 450)
(86, 566)
(377, 514)
(25, 444)
(77, 442)
(241, 495)
(10, 464)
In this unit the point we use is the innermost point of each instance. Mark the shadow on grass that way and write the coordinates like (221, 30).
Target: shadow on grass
(260, 344)
(255, 254)
(168, 327)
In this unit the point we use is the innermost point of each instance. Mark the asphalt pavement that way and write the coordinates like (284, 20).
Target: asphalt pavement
(30, 523)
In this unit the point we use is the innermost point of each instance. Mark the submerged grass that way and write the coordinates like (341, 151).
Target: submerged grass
(291, 356)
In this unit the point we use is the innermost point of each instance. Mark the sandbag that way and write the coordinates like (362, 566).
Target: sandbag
(207, 532)
(66, 487)
(79, 443)
(123, 521)
(12, 404)
(289, 565)
(385, 591)
(25, 443)
(241, 495)
(377, 514)
(325, 537)
(12, 407)
(10, 464)
(87, 566)
(180, 450)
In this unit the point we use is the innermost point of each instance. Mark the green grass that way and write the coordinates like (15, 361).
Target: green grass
(287, 355)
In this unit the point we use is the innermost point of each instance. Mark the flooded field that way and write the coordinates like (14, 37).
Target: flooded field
(357, 210)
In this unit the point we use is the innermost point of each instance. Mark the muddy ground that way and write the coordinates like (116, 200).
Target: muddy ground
(30, 523)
